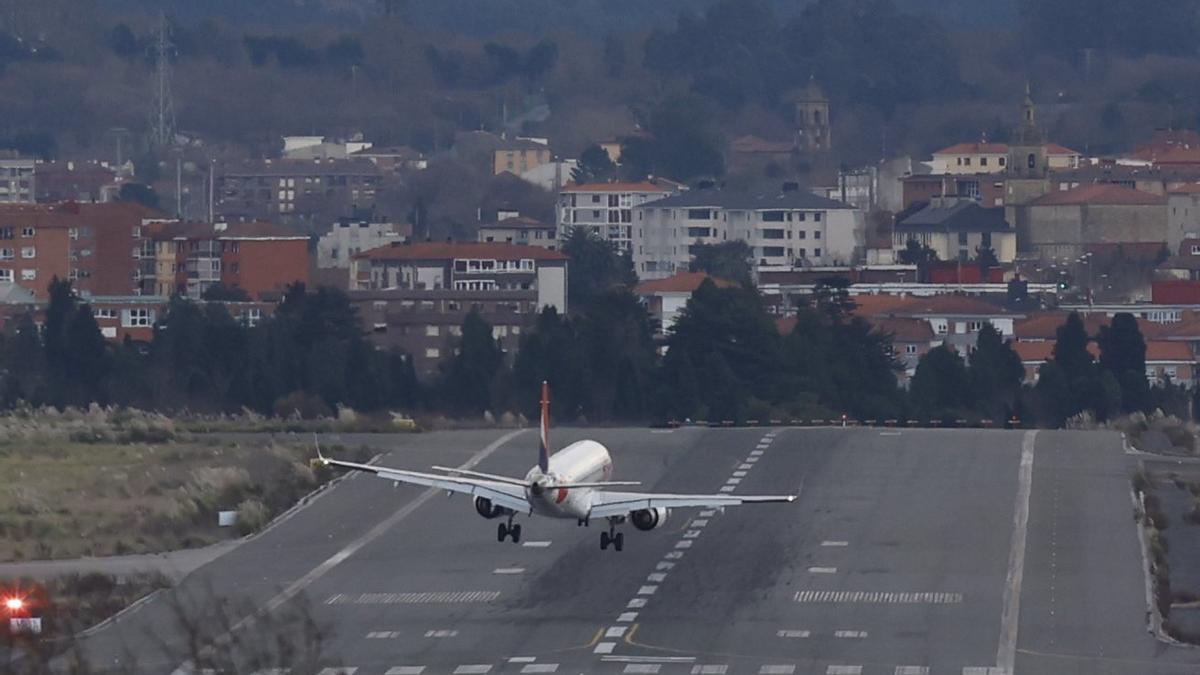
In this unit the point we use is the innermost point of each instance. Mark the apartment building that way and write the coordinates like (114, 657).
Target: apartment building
(348, 237)
(785, 228)
(520, 155)
(606, 209)
(520, 230)
(303, 191)
(17, 181)
(259, 258)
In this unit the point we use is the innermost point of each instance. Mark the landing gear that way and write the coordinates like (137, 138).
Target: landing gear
(617, 539)
(505, 530)
(583, 522)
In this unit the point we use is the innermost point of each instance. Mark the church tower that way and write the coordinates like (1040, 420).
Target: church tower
(812, 119)
(1027, 151)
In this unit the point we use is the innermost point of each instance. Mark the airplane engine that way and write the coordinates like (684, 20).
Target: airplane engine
(649, 519)
(487, 509)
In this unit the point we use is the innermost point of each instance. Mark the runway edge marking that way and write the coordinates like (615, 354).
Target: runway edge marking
(337, 558)
(1006, 653)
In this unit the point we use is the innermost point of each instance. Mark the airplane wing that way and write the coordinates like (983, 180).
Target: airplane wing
(605, 504)
(501, 494)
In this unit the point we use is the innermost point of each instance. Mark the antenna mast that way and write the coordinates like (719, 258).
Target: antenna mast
(162, 114)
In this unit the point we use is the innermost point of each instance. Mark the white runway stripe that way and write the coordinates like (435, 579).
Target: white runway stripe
(714, 669)
(405, 670)
(843, 670)
(437, 597)
(540, 668)
(876, 597)
(912, 670)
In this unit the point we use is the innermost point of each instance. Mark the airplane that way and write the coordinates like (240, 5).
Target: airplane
(569, 484)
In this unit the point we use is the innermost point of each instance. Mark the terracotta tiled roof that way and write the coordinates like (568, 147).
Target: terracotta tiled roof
(1056, 149)
(684, 282)
(614, 187)
(904, 330)
(950, 305)
(521, 223)
(1099, 193)
(1177, 156)
(459, 249)
(1185, 189)
(974, 149)
(879, 305)
(1044, 326)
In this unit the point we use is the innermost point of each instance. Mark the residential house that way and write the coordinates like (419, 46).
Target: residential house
(606, 209)
(666, 298)
(954, 319)
(517, 229)
(970, 159)
(784, 228)
(520, 155)
(348, 237)
(1166, 361)
(988, 189)
(956, 228)
(393, 159)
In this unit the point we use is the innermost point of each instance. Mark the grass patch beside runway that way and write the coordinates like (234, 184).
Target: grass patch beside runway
(68, 498)
(1171, 516)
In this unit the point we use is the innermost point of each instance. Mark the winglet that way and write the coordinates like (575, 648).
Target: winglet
(544, 444)
(321, 459)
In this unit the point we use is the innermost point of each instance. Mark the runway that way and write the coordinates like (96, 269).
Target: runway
(909, 552)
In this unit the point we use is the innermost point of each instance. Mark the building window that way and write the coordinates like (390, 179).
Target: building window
(910, 349)
(772, 251)
(817, 234)
(962, 238)
(1031, 161)
(105, 313)
(432, 353)
(801, 234)
(817, 217)
(432, 331)
(816, 253)
(27, 232)
(772, 216)
(975, 326)
(28, 252)
(7, 254)
(137, 318)
(983, 161)
(1001, 160)
(28, 275)
(6, 276)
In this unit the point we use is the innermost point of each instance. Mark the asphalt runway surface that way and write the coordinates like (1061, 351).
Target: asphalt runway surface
(909, 552)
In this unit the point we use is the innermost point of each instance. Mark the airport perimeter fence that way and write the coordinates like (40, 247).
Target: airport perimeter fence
(845, 421)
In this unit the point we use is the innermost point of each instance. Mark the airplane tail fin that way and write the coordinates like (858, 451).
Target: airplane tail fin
(544, 441)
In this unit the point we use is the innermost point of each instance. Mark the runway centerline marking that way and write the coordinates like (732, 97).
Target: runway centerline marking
(793, 633)
(852, 634)
(508, 570)
(522, 659)
(536, 544)
(627, 617)
(844, 670)
(822, 570)
(835, 543)
(1006, 652)
(912, 670)
(473, 669)
(336, 559)
(787, 669)
(405, 670)
(715, 669)
(540, 668)
(877, 597)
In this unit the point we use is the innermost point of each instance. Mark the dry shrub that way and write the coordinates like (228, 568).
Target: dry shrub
(252, 515)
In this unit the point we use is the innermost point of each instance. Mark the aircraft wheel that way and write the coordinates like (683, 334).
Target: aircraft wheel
(619, 541)
(603, 541)
(516, 533)
(501, 532)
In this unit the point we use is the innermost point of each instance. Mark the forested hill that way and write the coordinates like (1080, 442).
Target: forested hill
(500, 16)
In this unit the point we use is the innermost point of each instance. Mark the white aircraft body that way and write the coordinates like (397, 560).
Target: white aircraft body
(568, 484)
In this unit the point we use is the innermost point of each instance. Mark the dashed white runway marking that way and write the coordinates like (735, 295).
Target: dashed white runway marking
(756, 453)
(441, 633)
(536, 544)
(626, 617)
(604, 648)
(912, 670)
(540, 668)
(751, 459)
(522, 659)
(473, 669)
(675, 555)
(851, 634)
(656, 577)
(822, 570)
(405, 670)
(438, 597)
(876, 597)
(726, 488)
(636, 603)
(509, 570)
(337, 671)
(691, 534)
(643, 667)
(835, 543)
(793, 633)
(715, 669)
(733, 481)
(843, 670)
(647, 590)
(708, 513)
(699, 522)
(664, 565)
(786, 669)
(383, 634)
(687, 543)
(985, 670)
(615, 631)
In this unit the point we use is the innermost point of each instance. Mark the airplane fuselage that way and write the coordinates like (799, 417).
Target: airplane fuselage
(579, 462)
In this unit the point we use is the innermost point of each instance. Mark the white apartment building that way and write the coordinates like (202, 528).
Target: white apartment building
(347, 238)
(16, 180)
(606, 209)
(792, 228)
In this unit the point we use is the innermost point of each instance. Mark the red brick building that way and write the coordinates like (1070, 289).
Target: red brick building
(260, 258)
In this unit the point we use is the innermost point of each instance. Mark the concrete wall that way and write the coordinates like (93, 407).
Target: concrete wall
(1062, 230)
(1183, 219)
(552, 287)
